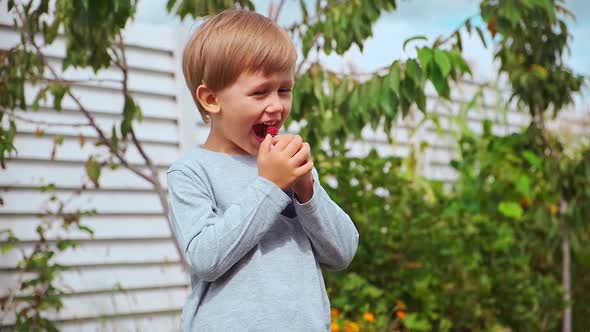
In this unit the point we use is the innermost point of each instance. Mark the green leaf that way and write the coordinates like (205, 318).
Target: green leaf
(532, 158)
(443, 62)
(6, 247)
(308, 40)
(523, 185)
(58, 91)
(48, 188)
(409, 40)
(481, 36)
(413, 70)
(58, 140)
(93, 169)
(425, 56)
(85, 229)
(130, 112)
(487, 127)
(416, 323)
(510, 209)
(65, 244)
(395, 77)
(304, 11)
(440, 84)
(114, 139)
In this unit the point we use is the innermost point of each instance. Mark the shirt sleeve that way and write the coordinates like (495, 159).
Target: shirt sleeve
(331, 231)
(213, 241)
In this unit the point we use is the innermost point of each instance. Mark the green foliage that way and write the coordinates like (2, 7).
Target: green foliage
(131, 111)
(532, 53)
(482, 257)
(343, 24)
(37, 291)
(93, 169)
(197, 8)
(337, 107)
(90, 28)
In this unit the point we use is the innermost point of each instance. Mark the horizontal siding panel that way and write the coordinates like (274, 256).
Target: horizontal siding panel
(121, 303)
(442, 173)
(147, 130)
(361, 149)
(24, 174)
(98, 252)
(440, 156)
(139, 80)
(28, 201)
(109, 278)
(138, 56)
(111, 102)
(40, 148)
(104, 227)
(161, 38)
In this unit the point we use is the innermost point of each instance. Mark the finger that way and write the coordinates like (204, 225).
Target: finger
(283, 141)
(301, 156)
(278, 138)
(306, 168)
(265, 145)
(294, 146)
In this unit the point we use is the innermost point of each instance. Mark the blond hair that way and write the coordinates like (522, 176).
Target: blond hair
(231, 43)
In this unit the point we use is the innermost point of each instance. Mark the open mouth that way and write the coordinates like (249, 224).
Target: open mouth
(261, 129)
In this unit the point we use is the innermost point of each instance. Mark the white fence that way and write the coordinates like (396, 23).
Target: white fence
(128, 277)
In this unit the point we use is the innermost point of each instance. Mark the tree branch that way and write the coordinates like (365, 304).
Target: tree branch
(125, 70)
(275, 17)
(84, 111)
(155, 180)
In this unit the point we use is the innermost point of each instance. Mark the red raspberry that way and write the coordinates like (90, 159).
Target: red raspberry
(272, 130)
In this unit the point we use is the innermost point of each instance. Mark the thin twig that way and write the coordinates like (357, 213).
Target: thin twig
(125, 70)
(275, 17)
(313, 20)
(11, 296)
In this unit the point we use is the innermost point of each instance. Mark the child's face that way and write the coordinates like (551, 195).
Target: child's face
(252, 100)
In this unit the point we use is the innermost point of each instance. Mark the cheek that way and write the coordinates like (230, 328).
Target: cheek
(287, 104)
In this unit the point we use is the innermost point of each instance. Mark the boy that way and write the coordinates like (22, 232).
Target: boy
(247, 208)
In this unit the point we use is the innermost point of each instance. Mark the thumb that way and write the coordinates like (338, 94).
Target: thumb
(265, 145)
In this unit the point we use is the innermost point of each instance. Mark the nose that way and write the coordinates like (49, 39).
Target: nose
(274, 104)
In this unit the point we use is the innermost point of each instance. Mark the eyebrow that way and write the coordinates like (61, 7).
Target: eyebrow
(266, 83)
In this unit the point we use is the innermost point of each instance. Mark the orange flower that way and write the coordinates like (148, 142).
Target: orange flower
(335, 327)
(369, 317)
(334, 313)
(351, 326)
(400, 314)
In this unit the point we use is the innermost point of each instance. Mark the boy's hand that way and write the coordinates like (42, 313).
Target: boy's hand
(303, 187)
(285, 162)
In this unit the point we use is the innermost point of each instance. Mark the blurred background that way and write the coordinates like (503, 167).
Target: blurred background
(455, 134)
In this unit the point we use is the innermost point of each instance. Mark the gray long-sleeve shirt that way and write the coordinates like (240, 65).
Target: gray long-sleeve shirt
(255, 252)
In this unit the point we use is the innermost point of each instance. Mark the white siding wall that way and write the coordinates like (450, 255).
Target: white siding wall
(128, 277)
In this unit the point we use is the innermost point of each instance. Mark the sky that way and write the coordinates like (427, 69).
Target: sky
(430, 18)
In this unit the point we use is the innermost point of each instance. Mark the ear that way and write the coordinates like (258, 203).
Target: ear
(207, 99)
